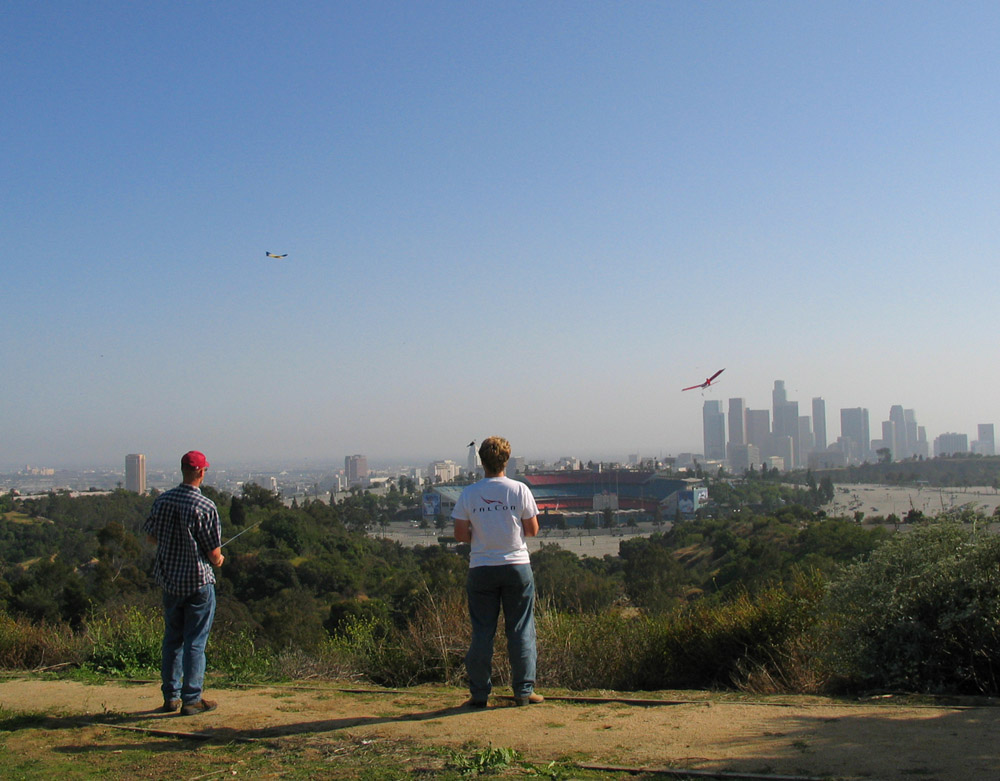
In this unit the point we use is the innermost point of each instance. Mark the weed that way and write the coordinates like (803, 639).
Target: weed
(125, 642)
(487, 760)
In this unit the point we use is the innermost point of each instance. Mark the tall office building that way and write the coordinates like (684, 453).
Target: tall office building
(901, 445)
(984, 440)
(473, 459)
(889, 440)
(135, 473)
(737, 422)
(912, 435)
(356, 470)
(785, 423)
(807, 442)
(714, 429)
(778, 394)
(737, 429)
(819, 423)
(855, 433)
(759, 430)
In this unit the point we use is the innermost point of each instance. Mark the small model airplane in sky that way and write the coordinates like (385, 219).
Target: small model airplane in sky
(272, 255)
(706, 383)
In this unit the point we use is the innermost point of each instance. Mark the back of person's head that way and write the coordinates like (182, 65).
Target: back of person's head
(494, 452)
(192, 463)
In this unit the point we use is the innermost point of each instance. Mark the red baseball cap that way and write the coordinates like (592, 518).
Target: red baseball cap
(194, 459)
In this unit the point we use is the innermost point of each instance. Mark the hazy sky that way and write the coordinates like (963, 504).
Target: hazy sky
(534, 219)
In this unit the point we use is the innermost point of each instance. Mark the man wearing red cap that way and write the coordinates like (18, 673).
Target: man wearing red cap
(184, 525)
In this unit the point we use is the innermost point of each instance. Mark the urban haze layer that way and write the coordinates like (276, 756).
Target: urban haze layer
(735, 438)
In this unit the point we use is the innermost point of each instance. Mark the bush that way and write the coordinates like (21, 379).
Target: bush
(922, 613)
(585, 651)
(127, 641)
(237, 656)
(762, 642)
(27, 645)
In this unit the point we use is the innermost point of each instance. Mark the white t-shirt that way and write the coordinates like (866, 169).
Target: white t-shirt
(495, 507)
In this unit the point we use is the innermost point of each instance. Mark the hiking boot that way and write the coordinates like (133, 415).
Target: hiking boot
(474, 703)
(194, 708)
(170, 706)
(528, 699)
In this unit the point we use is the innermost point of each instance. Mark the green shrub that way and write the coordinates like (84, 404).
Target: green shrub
(127, 641)
(593, 651)
(763, 641)
(238, 657)
(922, 613)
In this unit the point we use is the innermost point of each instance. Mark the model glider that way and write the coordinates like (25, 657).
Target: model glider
(272, 255)
(707, 382)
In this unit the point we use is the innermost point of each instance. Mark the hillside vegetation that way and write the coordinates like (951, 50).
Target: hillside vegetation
(769, 595)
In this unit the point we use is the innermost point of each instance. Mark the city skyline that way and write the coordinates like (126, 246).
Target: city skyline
(541, 221)
(717, 413)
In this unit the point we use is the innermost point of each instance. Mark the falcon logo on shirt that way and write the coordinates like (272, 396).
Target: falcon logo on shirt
(493, 505)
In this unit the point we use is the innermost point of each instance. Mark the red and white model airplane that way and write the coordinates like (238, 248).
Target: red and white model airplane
(706, 383)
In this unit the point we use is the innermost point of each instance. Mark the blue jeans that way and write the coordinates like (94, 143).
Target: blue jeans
(511, 586)
(187, 621)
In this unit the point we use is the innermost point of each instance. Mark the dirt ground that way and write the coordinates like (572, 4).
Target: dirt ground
(790, 736)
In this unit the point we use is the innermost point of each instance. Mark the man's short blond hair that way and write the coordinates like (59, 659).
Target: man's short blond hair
(494, 452)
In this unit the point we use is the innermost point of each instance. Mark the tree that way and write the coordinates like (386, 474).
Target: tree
(256, 496)
(608, 520)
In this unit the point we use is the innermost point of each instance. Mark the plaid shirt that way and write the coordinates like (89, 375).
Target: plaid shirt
(186, 527)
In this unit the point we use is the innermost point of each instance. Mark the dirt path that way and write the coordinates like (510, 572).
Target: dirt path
(797, 736)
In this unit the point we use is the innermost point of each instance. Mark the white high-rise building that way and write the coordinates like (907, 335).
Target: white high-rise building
(135, 473)
(819, 423)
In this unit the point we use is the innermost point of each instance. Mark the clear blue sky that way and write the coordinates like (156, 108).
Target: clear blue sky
(539, 220)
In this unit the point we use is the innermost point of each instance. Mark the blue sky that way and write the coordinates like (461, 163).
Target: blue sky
(539, 220)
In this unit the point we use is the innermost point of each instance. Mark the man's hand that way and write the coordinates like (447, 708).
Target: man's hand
(215, 557)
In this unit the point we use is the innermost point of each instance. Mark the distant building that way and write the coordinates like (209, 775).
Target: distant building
(443, 471)
(515, 466)
(806, 439)
(714, 430)
(855, 435)
(759, 430)
(785, 422)
(783, 449)
(950, 443)
(135, 473)
(819, 423)
(737, 422)
(890, 440)
(589, 491)
(356, 470)
(831, 458)
(985, 444)
(743, 457)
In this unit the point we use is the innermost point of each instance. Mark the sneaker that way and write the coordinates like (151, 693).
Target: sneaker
(170, 706)
(194, 708)
(473, 703)
(529, 699)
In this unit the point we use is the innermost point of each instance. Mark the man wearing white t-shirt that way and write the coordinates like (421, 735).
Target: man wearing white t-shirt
(495, 515)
